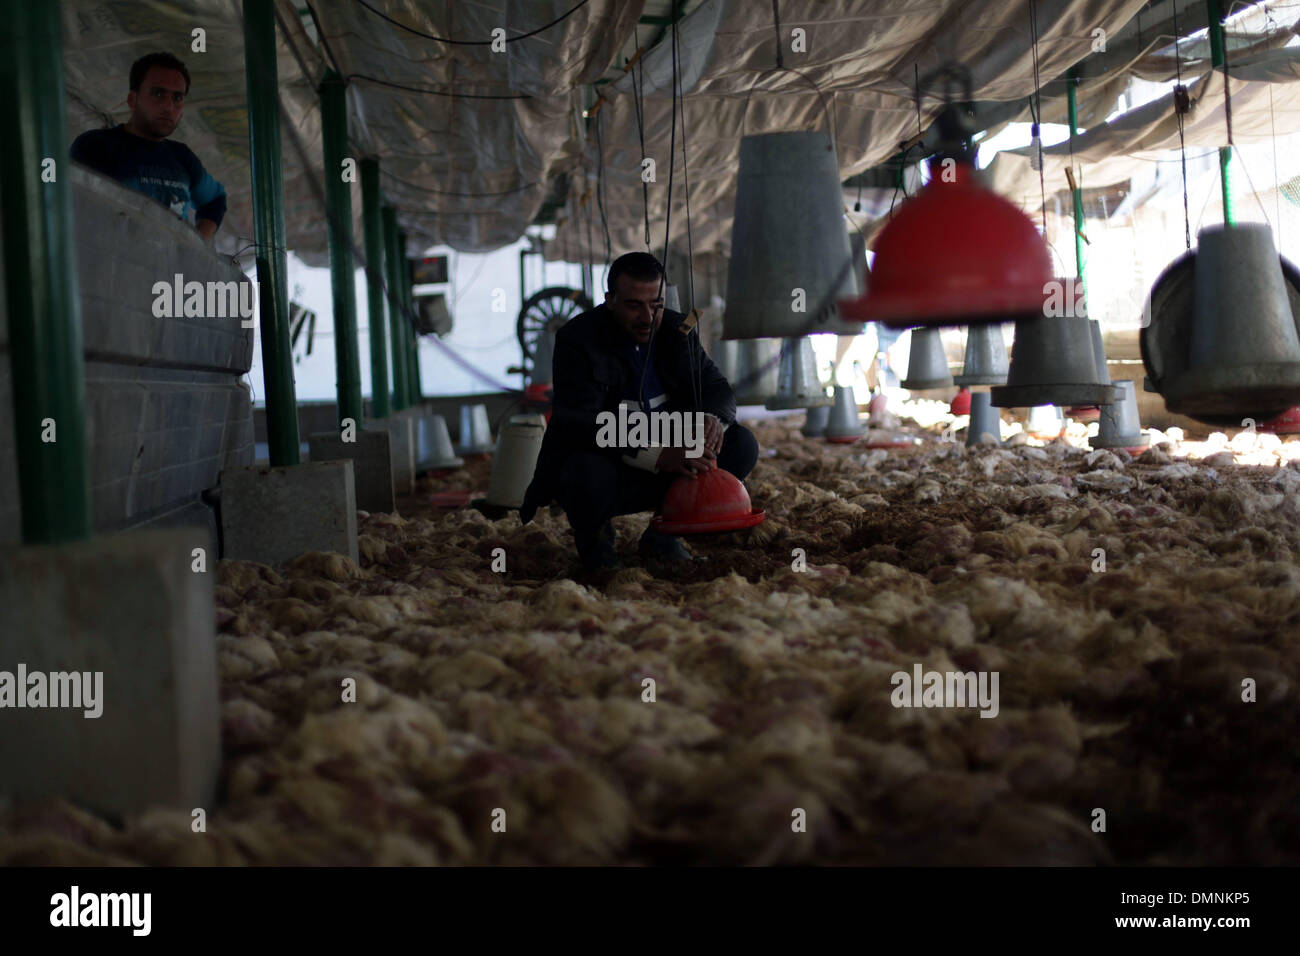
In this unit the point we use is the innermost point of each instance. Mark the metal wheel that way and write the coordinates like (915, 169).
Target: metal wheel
(546, 310)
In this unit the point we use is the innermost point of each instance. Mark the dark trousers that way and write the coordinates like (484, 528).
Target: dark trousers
(596, 487)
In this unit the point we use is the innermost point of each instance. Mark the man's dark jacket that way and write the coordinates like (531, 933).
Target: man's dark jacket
(591, 374)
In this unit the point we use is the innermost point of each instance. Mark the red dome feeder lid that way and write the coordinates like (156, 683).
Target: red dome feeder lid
(1288, 423)
(1084, 413)
(960, 402)
(713, 501)
(954, 254)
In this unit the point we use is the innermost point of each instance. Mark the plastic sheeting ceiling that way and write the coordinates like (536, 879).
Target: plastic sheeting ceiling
(472, 170)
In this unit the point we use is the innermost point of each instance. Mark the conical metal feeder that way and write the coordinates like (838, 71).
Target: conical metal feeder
(433, 445)
(797, 383)
(475, 431)
(787, 235)
(844, 426)
(1053, 363)
(927, 366)
(756, 375)
(1223, 342)
(1045, 422)
(986, 357)
(815, 421)
(984, 420)
(1119, 426)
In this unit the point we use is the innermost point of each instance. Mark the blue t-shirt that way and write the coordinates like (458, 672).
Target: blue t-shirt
(646, 392)
(166, 171)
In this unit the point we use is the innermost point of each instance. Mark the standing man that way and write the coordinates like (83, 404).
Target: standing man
(139, 155)
(630, 350)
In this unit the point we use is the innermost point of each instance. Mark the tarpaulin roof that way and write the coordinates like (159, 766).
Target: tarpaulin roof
(473, 141)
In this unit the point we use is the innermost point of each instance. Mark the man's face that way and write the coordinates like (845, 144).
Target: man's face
(637, 306)
(157, 106)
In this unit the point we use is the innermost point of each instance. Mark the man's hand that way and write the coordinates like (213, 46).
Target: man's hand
(713, 432)
(206, 228)
(675, 462)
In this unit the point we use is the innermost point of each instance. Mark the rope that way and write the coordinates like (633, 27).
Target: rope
(429, 36)
(1037, 112)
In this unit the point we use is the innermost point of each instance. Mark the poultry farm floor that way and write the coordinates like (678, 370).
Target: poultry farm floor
(1120, 691)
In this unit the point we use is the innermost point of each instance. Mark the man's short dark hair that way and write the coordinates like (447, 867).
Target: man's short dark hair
(142, 66)
(640, 266)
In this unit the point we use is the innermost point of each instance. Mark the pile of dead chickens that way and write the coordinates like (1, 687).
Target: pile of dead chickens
(531, 715)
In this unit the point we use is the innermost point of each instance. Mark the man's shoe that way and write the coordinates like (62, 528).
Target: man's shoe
(664, 547)
(597, 553)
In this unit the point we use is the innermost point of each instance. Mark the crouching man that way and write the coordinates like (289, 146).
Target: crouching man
(632, 351)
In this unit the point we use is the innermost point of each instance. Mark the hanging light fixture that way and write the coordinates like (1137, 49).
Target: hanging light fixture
(957, 253)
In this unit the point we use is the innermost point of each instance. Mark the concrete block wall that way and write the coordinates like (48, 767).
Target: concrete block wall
(166, 409)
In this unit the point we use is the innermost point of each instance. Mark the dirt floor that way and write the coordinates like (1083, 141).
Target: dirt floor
(1122, 603)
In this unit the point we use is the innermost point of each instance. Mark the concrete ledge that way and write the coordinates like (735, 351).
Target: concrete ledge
(401, 428)
(130, 608)
(272, 515)
(372, 464)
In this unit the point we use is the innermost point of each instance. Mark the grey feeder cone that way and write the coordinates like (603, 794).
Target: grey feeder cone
(843, 424)
(1099, 353)
(788, 233)
(1119, 426)
(814, 425)
(433, 445)
(797, 384)
(475, 431)
(726, 356)
(1222, 343)
(984, 420)
(518, 446)
(543, 358)
(672, 301)
(986, 357)
(1045, 422)
(1053, 363)
(756, 362)
(927, 366)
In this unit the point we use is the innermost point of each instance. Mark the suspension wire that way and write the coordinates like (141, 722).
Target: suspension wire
(429, 36)
(1272, 123)
(638, 103)
(1182, 142)
(1038, 113)
(697, 373)
(600, 190)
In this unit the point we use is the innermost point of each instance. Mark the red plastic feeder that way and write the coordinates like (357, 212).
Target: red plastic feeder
(954, 254)
(538, 395)
(960, 402)
(1288, 423)
(1084, 413)
(845, 440)
(452, 499)
(713, 501)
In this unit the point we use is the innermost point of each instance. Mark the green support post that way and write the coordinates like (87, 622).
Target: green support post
(44, 308)
(338, 199)
(373, 222)
(1077, 192)
(1219, 59)
(263, 91)
(408, 290)
(401, 395)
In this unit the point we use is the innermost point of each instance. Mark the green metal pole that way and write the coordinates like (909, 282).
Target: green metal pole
(1219, 59)
(373, 221)
(263, 91)
(1077, 192)
(401, 395)
(44, 308)
(408, 294)
(338, 198)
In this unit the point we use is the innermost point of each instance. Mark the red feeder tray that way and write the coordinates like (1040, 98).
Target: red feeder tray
(846, 440)
(960, 403)
(1084, 413)
(1288, 423)
(955, 254)
(711, 502)
(452, 499)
